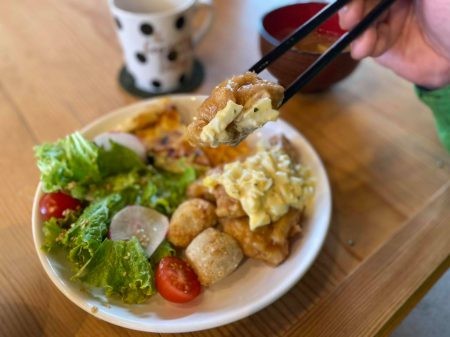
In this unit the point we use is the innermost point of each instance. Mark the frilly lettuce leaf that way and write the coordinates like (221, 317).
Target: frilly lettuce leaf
(69, 161)
(116, 184)
(163, 250)
(87, 233)
(164, 191)
(117, 159)
(54, 230)
(52, 234)
(121, 268)
(75, 164)
(160, 190)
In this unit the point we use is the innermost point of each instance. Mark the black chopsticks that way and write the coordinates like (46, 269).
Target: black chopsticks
(298, 34)
(330, 54)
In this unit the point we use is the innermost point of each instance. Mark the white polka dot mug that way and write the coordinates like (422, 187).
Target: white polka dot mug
(158, 39)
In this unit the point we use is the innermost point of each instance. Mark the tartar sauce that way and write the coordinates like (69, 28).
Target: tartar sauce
(245, 121)
(266, 184)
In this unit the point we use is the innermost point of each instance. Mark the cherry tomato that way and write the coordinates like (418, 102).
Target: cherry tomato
(54, 204)
(176, 281)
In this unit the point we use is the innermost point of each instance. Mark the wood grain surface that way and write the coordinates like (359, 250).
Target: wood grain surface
(390, 230)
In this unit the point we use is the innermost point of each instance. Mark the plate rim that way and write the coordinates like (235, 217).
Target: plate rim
(226, 318)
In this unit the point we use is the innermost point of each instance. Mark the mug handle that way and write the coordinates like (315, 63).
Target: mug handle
(207, 21)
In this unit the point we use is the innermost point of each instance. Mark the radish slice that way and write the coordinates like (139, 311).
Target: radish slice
(125, 139)
(147, 225)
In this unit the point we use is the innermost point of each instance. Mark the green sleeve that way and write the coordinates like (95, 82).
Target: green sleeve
(438, 101)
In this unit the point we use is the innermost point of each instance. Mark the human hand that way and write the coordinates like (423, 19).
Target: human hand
(412, 38)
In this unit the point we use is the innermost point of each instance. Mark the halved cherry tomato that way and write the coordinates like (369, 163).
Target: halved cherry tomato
(176, 281)
(53, 205)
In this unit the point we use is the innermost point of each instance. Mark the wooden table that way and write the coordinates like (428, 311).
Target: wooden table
(390, 231)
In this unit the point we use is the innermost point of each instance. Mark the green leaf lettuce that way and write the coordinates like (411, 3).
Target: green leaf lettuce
(75, 164)
(118, 159)
(54, 230)
(87, 233)
(70, 162)
(120, 268)
(163, 250)
(165, 190)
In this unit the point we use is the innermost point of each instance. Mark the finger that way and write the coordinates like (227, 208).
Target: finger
(389, 29)
(364, 45)
(383, 17)
(351, 14)
(384, 39)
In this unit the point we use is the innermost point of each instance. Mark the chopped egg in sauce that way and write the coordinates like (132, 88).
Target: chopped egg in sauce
(246, 121)
(267, 184)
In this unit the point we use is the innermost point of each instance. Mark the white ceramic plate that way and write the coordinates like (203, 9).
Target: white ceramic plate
(250, 288)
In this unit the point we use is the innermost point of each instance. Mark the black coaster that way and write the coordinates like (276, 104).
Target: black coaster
(189, 85)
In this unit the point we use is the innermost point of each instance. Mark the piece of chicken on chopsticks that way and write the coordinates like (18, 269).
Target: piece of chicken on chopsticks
(235, 108)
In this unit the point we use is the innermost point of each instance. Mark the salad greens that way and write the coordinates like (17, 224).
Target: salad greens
(69, 164)
(117, 159)
(76, 165)
(87, 233)
(120, 268)
(54, 230)
(107, 181)
(164, 191)
(116, 183)
(164, 249)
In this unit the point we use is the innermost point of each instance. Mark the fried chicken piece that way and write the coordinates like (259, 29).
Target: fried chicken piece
(190, 219)
(241, 116)
(198, 190)
(284, 143)
(268, 243)
(213, 255)
(227, 206)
